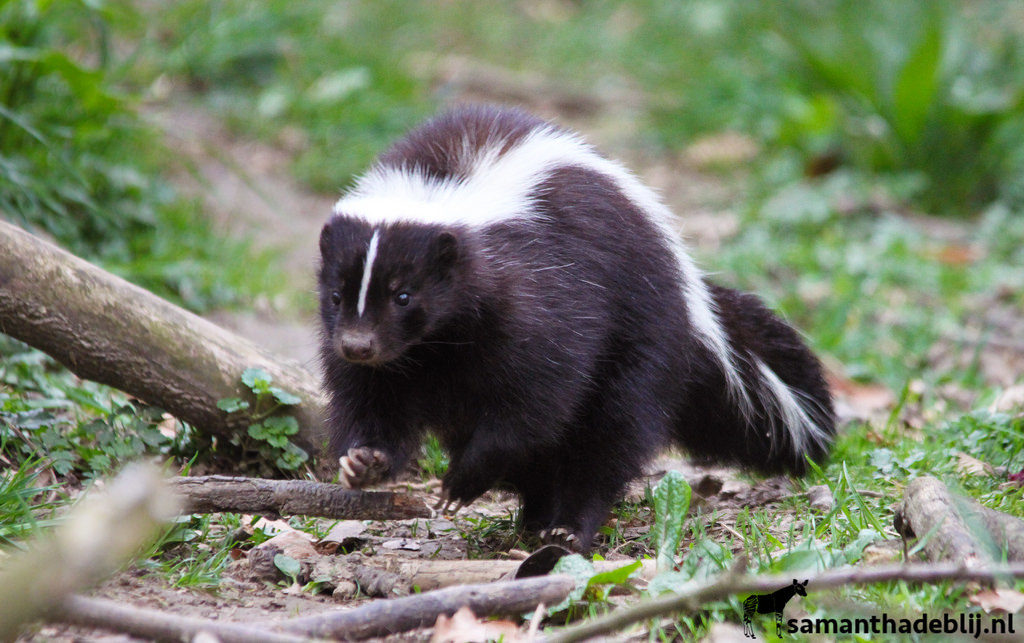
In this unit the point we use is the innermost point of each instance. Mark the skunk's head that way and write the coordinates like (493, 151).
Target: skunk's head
(385, 288)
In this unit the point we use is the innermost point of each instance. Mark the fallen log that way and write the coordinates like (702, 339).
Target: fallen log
(209, 494)
(955, 528)
(105, 329)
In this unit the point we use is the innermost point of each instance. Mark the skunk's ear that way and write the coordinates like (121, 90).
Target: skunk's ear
(326, 240)
(444, 251)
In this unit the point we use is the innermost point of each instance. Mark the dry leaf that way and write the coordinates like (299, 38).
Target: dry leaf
(168, 426)
(723, 148)
(405, 544)
(464, 626)
(294, 544)
(999, 600)
(272, 526)
(820, 498)
(342, 532)
(970, 466)
(957, 255)
(882, 553)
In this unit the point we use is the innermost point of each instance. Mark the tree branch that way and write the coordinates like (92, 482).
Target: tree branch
(209, 494)
(957, 528)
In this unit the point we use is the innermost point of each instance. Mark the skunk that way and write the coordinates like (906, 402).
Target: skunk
(496, 281)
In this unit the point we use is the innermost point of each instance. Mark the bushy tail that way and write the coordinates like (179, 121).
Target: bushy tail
(774, 409)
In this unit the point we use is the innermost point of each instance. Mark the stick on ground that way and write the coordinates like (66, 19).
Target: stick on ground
(389, 616)
(209, 494)
(162, 626)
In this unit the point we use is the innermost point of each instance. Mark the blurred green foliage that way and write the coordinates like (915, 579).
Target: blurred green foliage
(930, 92)
(928, 88)
(78, 163)
(335, 70)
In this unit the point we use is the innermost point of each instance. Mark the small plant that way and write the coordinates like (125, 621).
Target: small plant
(20, 506)
(671, 504)
(105, 430)
(271, 432)
(289, 567)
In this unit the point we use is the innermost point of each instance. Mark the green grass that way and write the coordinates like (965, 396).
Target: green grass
(24, 502)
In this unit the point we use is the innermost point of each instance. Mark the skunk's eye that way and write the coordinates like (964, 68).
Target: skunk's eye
(336, 298)
(402, 298)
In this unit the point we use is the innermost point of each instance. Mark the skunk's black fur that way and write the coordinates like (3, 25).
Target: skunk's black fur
(540, 321)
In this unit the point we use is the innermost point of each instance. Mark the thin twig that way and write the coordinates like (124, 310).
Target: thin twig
(728, 584)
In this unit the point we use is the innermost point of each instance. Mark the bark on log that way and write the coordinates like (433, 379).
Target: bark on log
(955, 528)
(389, 616)
(105, 329)
(208, 494)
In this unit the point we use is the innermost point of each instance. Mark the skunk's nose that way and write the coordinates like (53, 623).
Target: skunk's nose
(357, 346)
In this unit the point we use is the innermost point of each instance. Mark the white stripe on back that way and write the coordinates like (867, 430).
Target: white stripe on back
(371, 255)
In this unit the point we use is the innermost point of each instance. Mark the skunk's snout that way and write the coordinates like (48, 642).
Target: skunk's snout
(356, 346)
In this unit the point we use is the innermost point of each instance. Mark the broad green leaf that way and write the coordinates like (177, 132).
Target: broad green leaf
(288, 565)
(671, 503)
(257, 380)
(232, 404)
(579, 568)
(282, 425)
(615, 576)
(916, 84)
(258, 431)
(670, 582)
(291, 457)
(284, 397)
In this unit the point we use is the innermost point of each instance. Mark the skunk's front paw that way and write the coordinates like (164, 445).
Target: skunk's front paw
(362, 467)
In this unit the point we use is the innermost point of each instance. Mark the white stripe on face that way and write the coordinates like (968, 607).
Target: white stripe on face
(371, 254)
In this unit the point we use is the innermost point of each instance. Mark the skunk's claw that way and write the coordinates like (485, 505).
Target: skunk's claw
(560, 536)
(448, 506)
(362, 467)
